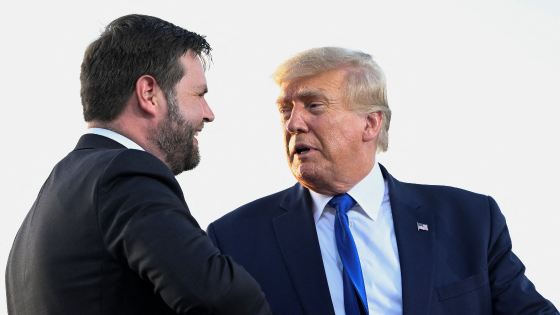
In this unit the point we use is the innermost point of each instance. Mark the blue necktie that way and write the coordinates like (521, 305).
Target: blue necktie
(355, 301)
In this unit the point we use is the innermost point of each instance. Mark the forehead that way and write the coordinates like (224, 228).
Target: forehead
(328, 84)
(194, 72)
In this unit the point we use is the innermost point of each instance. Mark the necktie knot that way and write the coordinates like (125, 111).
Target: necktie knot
(342, 203)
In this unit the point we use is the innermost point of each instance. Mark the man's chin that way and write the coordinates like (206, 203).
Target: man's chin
(190, 167)
(190, 162)
(305, 173)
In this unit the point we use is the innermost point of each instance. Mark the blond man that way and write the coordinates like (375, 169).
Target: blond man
(349, 238)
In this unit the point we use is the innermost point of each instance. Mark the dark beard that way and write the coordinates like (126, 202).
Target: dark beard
(175, 139)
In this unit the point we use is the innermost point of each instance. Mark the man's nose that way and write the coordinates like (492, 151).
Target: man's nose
(296, 123)
(207, 114)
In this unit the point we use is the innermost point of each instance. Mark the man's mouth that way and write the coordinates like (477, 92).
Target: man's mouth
(199, 129)
(302, 149)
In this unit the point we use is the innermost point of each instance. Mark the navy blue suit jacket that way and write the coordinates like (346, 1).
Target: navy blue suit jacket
(462, 265)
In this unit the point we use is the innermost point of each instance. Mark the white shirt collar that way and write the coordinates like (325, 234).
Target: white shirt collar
(368, 193)
(115, 136)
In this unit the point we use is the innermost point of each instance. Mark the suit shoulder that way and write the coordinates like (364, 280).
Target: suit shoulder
(111, 166)
(131, 161)
(110, 162)
(447, 197)
(141, 166)
(442, 191)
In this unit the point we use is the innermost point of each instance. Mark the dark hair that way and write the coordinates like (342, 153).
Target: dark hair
(130, 47)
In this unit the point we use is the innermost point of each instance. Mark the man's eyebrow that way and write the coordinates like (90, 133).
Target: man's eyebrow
(282, 100)
(303, 93)
(311, 93)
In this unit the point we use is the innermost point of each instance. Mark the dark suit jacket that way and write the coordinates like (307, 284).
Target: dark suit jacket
(462, 265)
(110, 233)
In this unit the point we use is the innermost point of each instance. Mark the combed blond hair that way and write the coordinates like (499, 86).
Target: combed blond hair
(365, 87)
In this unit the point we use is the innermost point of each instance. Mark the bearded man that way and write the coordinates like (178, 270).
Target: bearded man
(110, 232)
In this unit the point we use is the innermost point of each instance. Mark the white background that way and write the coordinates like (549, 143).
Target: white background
(474, 86)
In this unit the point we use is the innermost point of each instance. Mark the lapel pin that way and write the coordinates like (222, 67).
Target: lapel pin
(422, 226)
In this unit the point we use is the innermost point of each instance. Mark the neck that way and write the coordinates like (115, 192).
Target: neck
(135, 134)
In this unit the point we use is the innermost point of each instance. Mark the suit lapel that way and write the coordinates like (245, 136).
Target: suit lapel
(416, 248)
(297, 237)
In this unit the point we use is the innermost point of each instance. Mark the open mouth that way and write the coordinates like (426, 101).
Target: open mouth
(302, 150)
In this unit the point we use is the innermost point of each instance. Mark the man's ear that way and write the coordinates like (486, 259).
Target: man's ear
(373, 126)
(149, 95)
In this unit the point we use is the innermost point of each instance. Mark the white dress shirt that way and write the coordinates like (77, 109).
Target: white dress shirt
(371, 224)
(115, 136)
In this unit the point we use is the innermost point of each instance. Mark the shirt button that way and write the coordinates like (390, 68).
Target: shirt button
(351, 224)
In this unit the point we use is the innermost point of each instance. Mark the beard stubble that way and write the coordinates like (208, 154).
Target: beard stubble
(175, 139)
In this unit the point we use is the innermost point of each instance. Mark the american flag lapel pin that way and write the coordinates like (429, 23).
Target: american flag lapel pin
(422, 226)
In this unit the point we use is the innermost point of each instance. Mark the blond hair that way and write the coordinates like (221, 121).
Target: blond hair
(365, 87)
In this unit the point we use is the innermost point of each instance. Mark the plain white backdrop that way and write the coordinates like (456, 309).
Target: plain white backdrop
(474, 86)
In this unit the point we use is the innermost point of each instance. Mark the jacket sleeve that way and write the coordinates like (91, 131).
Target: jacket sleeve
(146, 224)
(212, 235)
(512, 292)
